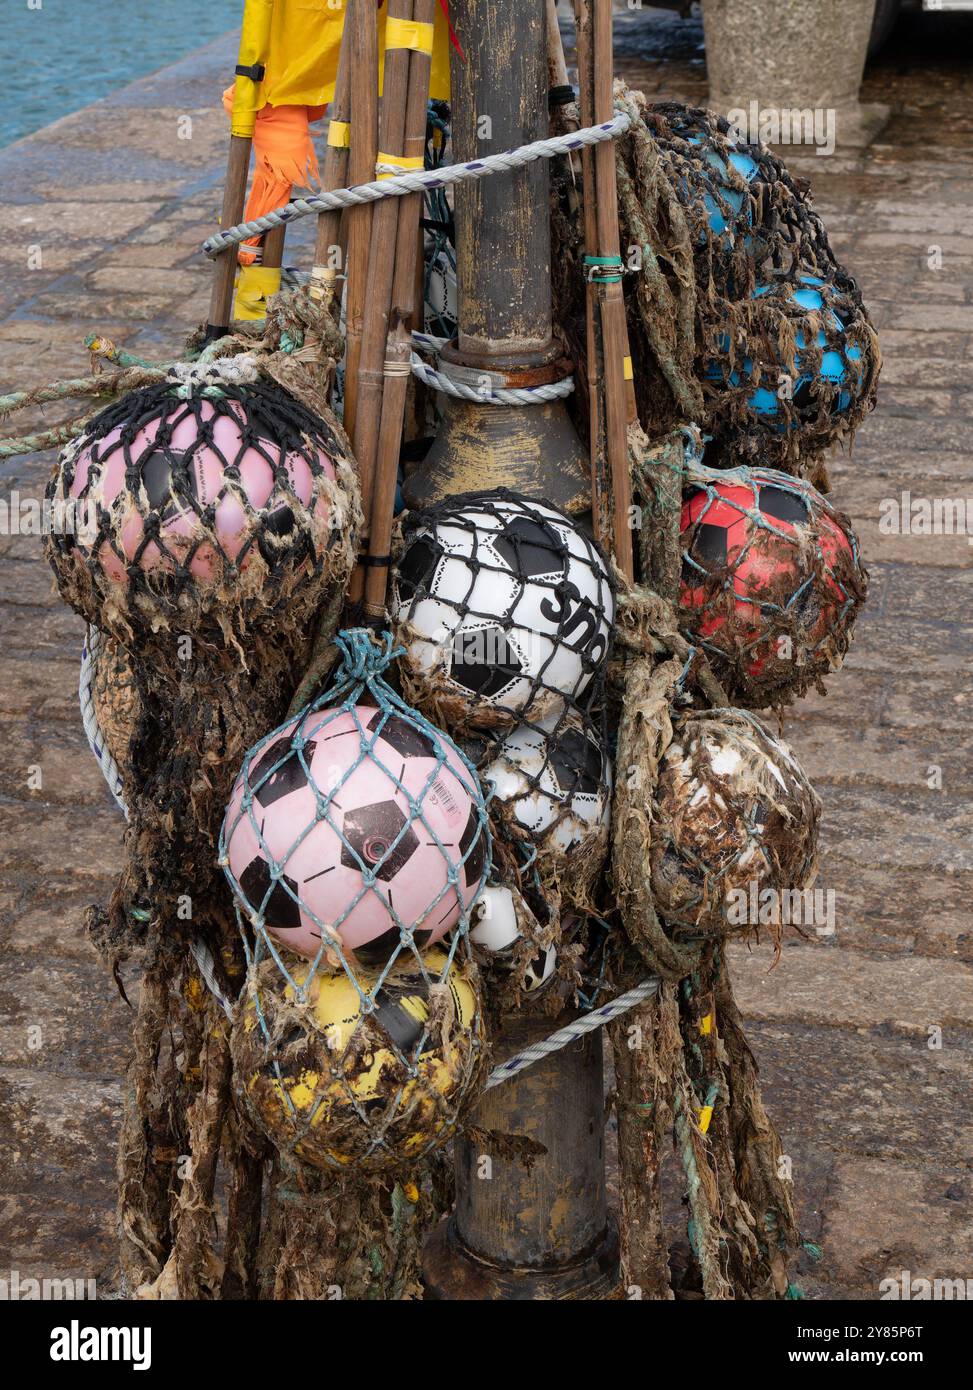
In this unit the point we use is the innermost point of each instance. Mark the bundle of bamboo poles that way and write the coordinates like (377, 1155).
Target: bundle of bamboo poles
(610, 390)
(380, 289)
(368, 136)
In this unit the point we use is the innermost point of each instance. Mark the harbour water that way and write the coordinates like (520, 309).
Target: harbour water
(60, 55)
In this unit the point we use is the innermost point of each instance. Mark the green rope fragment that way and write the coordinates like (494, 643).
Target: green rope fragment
(601, 269)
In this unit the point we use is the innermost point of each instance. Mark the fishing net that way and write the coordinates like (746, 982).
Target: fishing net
(116, 698)
(439, 232)
(708, 799)
(793, 375)
(740, 317)
(356, 841)
(218, 519)
(504, 608)
(735, 821)
(771, 583)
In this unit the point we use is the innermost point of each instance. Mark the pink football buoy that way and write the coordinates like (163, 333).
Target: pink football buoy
(349, 822)
(187, 482)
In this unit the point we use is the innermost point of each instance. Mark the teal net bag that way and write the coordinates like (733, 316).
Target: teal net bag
(357, 843)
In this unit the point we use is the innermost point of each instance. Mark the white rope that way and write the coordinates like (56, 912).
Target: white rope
(587, 1023)
(402, 184)
(193, 377)
(497, 395)
(203, 957)
(89, 717)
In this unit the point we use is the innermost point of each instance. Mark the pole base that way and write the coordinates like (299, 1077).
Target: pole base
(532, 449)
(452, 1273)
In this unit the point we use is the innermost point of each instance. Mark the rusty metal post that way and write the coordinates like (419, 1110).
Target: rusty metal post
(538, 1229)
(499, 100)
(530, 1227)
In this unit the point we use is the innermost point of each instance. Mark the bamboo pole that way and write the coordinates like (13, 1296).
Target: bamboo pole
(225, 264)
(361, 169)
(273, 247)
(325, 271)
(619, 391)
(381, 269)
(249, 74)
(381, 266)
(398, 349)
(557, 68)
(596, 414)
(605, 299)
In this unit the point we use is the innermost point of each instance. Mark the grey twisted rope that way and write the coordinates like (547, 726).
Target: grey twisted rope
(89, 717)
(587, 1023)
(402, 184)
(498, 395)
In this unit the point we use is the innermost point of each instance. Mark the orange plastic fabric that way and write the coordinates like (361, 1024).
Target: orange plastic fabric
(283, 156)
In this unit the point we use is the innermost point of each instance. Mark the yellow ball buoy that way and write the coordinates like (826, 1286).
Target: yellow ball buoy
(360, 1069)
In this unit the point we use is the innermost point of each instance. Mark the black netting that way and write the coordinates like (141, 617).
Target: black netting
(791, 372)
(740, 317)
(185, 491)
(505, 606)
(217, 522)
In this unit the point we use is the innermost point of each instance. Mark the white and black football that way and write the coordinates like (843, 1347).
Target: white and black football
(552, 779)
(502, 600)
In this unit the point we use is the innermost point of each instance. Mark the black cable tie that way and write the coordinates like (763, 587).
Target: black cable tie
(560, 96)
(376, 561)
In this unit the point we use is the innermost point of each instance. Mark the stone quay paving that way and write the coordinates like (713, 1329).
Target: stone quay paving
(864, 1037)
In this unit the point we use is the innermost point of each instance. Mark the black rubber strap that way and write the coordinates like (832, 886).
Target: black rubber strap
(560, 96)
(378, 562)
(255, 72)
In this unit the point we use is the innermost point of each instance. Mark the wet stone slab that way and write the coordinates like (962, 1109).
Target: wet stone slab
(875, 1121)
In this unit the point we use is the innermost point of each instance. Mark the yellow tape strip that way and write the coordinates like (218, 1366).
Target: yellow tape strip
(408, 33)
(339, 135)
(706, 1025)
(255, 284)
(628, 369)
(705, 1115)
(400, 162)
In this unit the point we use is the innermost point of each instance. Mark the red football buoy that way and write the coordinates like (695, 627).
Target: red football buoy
(772, 580)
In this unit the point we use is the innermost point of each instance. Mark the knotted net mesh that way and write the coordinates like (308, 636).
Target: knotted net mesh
(740, 316)
(505, 608)
(356, 842)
